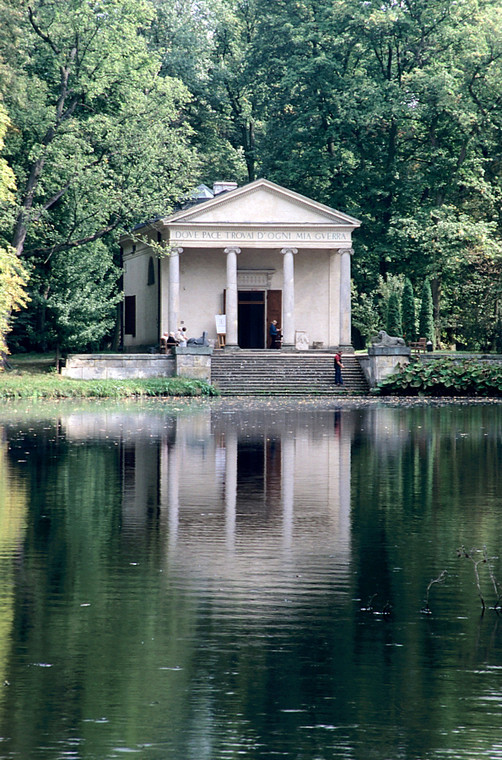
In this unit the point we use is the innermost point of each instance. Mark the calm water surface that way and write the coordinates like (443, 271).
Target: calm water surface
(229, 580)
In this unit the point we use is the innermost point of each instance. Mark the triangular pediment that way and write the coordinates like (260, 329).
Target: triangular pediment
(261, 202)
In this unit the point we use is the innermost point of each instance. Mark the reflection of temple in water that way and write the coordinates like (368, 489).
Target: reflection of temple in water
(234, 486)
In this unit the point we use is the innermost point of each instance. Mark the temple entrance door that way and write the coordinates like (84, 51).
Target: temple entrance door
(251, 319)
(274, 310)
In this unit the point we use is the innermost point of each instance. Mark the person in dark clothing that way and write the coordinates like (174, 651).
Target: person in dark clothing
(338, 368)
(275, 336)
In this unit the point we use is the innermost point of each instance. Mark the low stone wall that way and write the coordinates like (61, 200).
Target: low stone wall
(189, 362)
(118, 366)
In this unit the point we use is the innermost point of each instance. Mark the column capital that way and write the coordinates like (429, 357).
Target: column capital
(289, 250)
(350, 251)
(176, 250)
(232, 249)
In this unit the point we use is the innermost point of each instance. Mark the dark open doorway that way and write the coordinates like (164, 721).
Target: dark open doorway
(256, 310)
(251, 319)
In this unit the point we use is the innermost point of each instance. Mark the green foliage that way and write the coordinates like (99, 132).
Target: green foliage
(390, 112)
(7, 178)
(207, 44)
(394, 325)
(365, 314)
(84, 160)
(426, 318)
(74, 298)
(445, 377)
(13, 296)
(13, 275)
(479, 282)
(52, 386)
(98, 143)
(83, 296)
(408, 311)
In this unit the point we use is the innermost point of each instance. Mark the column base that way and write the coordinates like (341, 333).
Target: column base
(346, 349)
(288, 347)
(229, 347)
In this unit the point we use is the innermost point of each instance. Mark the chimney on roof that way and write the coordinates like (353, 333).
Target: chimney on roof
(223, 187)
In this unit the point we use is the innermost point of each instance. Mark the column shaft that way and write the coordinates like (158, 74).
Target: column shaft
(231, 296)
(345, 306)
(288, 298)
(174, 289)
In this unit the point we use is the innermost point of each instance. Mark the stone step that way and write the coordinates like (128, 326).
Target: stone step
(278, 373)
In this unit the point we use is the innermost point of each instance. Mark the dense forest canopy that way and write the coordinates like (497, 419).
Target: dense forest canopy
(390, 112)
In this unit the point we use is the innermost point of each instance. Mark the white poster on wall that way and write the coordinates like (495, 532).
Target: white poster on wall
(221, 324)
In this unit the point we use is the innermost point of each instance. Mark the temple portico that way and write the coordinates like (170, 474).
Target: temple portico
(250, 255)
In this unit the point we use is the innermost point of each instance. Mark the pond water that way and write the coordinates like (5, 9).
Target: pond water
(225, 579)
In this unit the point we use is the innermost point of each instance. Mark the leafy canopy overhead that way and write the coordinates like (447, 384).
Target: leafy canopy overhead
(92, 117)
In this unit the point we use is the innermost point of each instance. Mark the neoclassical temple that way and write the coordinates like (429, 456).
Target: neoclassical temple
(236, 259)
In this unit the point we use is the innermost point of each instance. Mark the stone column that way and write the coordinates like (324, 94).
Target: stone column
(345, 301)
(174, 289)
(334, 299)
(231, 297)
(288, 298)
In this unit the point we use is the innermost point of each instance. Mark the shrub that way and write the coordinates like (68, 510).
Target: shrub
(444, 377)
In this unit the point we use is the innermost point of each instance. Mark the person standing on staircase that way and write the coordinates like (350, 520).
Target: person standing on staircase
(338, 368)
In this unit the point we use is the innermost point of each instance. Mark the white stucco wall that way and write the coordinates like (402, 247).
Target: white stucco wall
(312, 294)
(135, 284)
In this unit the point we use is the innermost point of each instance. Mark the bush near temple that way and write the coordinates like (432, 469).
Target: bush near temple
(444, 377)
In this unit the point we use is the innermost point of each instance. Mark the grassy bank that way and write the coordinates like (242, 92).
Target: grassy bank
(34, 377)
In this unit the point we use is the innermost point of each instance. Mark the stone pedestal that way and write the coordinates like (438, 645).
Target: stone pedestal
(383, 361)
(193, 362)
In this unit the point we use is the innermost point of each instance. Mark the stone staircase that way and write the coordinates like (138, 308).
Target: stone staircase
(278, 373)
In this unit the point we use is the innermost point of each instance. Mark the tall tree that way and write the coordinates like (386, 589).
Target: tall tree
(426, 316)
(98, 142)
(209, 45)
(390, 111)
(394, 323)
(87, 87)
(408, 311)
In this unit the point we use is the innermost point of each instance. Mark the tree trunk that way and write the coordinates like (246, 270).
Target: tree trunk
(23, 217)
(249, 149)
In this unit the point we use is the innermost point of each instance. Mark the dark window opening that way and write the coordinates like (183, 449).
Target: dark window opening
(151, 272)
(130, 315)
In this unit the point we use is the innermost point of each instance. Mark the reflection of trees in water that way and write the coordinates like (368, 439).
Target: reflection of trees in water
(423, 481)
(13, 505)
(185, 642)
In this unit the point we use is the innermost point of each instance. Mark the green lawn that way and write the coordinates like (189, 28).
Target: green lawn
(34, 376)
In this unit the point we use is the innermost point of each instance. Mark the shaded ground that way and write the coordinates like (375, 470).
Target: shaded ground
(32, 364)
